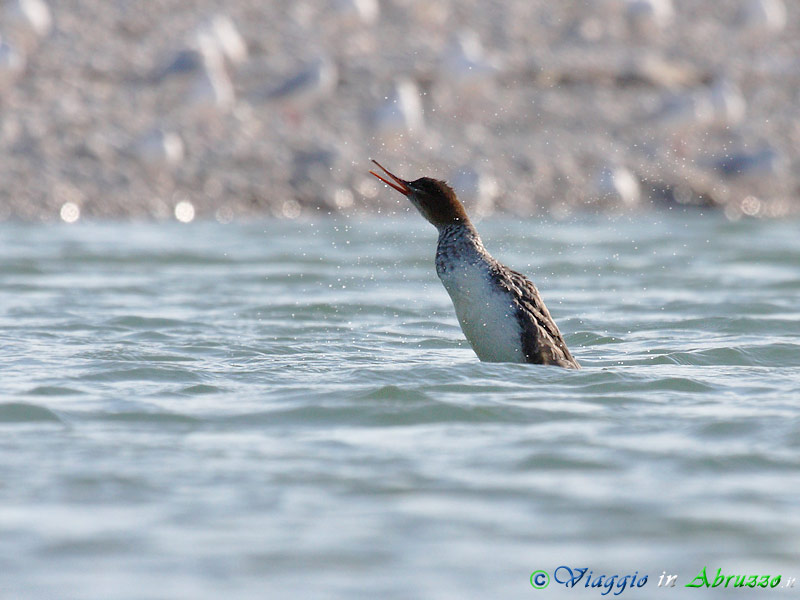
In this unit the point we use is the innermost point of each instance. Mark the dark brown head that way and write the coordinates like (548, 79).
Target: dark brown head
(434, 199)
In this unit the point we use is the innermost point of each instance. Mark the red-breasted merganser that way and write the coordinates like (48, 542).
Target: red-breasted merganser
(500, 310)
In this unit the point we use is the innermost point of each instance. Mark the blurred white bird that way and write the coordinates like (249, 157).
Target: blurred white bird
(401, 112)
(212, 92)
(159, 149)
(465, 63)
(618, 184)
(766, 162)
(299, 92)
(719, 105)
(679, 112)
(211, 89)
(649, 15)
(478, 189)
(27, 21)
(185, 62)
(199, 77)
(728, 103)
(215, 41)
(12, 64)
(230, 42)
(355, 12)
(763, 17)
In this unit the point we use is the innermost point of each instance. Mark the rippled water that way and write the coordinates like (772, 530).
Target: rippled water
(288, 410)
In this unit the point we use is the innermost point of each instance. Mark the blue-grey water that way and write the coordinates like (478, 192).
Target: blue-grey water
(289, 410)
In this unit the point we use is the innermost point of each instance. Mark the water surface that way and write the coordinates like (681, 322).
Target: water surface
(289, 410)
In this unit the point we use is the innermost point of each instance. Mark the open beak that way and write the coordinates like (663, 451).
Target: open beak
(400, 185)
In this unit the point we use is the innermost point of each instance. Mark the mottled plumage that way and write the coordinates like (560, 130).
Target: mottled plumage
(542, 342)
(500, 311)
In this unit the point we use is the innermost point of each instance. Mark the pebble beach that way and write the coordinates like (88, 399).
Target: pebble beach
(208, 110)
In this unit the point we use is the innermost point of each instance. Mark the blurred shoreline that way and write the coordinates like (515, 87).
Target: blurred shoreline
(225, 111)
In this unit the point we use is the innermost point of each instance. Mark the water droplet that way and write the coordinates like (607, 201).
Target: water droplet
(70, 212)
(184, 211)
(291, 209)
